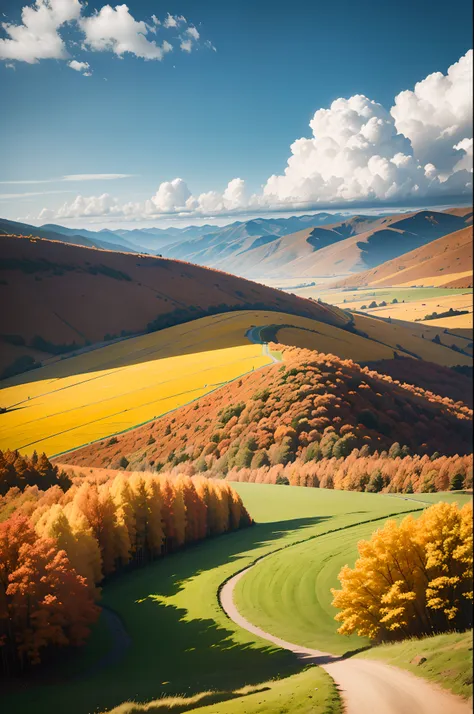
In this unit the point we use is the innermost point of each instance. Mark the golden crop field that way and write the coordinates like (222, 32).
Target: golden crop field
(417, 309)
(85, 398)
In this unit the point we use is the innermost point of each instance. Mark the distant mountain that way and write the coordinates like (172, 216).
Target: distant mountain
(24, 229)
(223, 247)
(350, 246)
(445, 262)
(103, 238)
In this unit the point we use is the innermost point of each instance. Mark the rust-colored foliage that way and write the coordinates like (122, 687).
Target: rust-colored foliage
(280, 411)
(58, 546)
(43, 601)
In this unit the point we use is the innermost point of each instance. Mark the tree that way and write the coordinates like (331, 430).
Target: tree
(376, 482)
(43, 601)
(414, 578)
(456, 482)
(395, 451)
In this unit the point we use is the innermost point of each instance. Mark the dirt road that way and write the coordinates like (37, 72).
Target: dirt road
(366, 686)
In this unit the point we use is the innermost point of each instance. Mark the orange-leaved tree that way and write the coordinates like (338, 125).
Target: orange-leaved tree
(43, 601)
(414, 578)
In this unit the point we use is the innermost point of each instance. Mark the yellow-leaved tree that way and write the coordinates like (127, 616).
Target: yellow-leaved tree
(414, 578)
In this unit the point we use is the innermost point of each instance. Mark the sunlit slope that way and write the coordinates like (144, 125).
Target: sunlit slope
(445, 261)
(403, 338)
(88, 397)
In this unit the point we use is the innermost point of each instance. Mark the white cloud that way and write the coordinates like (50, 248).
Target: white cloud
(84, 206)
(173, 20)
(109, 29)
(192, 31)
(95, 177)
(38, 37)
(171, 196)
(437, 114)
(83, 67)
(356, 154)
(73, 177)
(116, 30)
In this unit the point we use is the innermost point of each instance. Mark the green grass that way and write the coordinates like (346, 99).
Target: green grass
(182, 642)
(388, 294)
(448, 659)
(289, 594)
(459, 497)
(311, 691)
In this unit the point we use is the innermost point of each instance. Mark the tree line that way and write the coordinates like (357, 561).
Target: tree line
(57, 546)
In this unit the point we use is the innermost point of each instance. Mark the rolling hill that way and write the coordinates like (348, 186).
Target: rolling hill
(276, 412)
(445, 262)
(61, 297)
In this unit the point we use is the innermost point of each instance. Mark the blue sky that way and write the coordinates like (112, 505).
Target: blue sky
(209, 116)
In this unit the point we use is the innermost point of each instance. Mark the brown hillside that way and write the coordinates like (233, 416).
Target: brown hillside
(61, 296)
(277, 412)
(445, 256)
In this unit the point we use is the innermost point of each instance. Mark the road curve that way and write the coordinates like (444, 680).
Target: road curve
(365, 686)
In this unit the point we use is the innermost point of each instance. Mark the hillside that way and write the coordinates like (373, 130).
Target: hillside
(61, 297)
(337, 248)
(273, 415)
(445, 262)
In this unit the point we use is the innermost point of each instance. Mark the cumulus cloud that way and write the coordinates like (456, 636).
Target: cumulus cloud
(437, 114)
(357, 152)
(171, 196)
(109, 29)
(83, 67)
(37, 37)
(116, 30)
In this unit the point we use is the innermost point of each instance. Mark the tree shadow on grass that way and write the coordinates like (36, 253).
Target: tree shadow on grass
(173, 649)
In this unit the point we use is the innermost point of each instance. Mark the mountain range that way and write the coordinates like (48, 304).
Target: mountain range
(321, 245)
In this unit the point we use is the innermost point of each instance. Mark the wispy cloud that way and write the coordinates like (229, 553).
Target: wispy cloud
(71, 177)
(28, 194)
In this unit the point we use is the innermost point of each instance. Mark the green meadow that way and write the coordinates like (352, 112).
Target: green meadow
(170, 638)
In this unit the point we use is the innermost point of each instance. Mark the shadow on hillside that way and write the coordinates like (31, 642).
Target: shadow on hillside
(171, 652)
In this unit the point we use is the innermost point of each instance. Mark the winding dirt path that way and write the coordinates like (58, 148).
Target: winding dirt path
(366, 686)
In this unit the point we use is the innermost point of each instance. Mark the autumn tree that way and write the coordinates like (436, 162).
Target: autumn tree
(43, 601)
(410, 579)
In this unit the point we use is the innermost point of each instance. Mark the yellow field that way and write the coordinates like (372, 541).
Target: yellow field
(455, 322)
(93, 395)
(417, 309)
